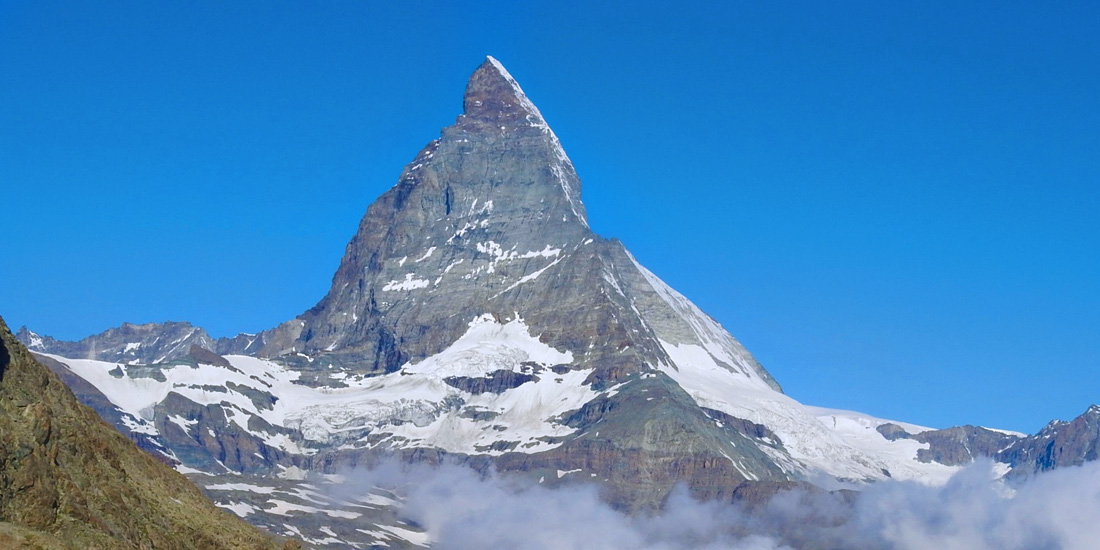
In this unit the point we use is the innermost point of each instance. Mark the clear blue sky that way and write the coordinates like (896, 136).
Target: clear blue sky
(894, 207)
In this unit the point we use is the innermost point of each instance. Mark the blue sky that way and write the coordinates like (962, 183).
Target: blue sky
(893, 207)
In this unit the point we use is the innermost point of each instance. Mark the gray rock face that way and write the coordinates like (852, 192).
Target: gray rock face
(204, 437)
(1057, 445)
(652, 435)
(954, 446)
(488, 219)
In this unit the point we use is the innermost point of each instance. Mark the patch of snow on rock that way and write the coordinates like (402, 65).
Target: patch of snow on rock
(410, 283)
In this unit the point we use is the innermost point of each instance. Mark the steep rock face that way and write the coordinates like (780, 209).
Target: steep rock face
(67, 475)
(204, 437)
(1057, 445)
(487, 219)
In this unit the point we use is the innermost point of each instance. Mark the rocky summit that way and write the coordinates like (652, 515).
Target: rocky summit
(488, 220)
(476, 317)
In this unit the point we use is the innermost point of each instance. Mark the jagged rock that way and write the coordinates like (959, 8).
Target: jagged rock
(1057, 445)
(893, 432)
(203, 437)
(961, 445)
(954, 446)
(128, 344)
(652, 436)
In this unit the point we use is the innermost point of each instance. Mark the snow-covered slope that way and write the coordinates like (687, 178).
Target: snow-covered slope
(427, 404)
(413, 407)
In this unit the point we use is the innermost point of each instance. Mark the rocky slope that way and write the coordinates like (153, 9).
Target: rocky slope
(68, 480)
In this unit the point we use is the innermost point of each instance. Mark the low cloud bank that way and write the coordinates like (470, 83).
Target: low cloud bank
(1058, 510)
(462, 510)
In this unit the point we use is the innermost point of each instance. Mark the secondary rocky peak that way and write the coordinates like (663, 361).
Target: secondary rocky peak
(492, 95)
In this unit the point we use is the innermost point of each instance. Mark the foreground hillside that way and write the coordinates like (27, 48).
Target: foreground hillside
(68, 480)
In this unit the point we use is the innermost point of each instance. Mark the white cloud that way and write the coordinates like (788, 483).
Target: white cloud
(463, 510)
(1056, 510)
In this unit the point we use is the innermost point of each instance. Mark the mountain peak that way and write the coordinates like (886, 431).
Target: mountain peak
(493, 95)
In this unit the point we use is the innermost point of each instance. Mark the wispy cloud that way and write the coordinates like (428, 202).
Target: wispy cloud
(463, 510)
(1056, 510)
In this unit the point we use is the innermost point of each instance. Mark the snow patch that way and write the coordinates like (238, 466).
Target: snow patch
(842, 445)
(410, 283)
(36, 340)
(247, 487)
(139, 425)
(1005, 432)
(415, 537)
(529, 277)
(284, 508)
(242, 509)
(182, 422)
(489, 346)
